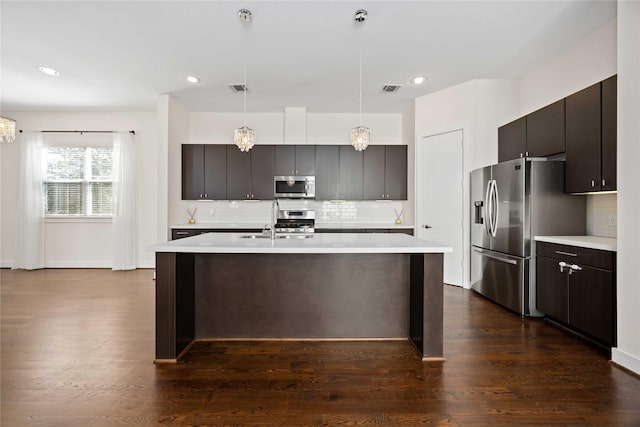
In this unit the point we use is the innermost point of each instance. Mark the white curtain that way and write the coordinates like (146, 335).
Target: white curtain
(124, 202)
(29, 247)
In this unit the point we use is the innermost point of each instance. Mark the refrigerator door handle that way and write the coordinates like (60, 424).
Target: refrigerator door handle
(496, 257)
(487, 208)
(494, 230)
(493, 202)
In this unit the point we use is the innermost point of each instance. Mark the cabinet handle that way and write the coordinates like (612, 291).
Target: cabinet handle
(201, 195)
(566, 253)
(205, 195)
(252, 195)
(604, 182)
(573, 268)
(181, 233)
(562, 265)
(526, 154)
(593, 183)
(521, 154)
(247, 195)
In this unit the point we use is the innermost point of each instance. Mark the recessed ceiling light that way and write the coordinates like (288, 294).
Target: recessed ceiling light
(49, 71)
(417, 80)
(193, 79)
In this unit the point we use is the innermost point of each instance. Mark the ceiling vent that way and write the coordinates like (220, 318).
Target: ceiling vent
(391, 88)
(238, 87)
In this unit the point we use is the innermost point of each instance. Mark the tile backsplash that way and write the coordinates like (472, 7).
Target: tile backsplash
(258, 212)
(602, 215)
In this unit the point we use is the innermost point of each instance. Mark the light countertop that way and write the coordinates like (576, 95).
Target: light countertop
(318, 225)
(592, 242)
(322, 243)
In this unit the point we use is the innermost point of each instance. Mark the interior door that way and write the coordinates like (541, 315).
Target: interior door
(439, 189)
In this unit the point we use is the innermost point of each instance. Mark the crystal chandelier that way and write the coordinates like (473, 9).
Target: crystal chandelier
(360, 135)
(245, 137)
(7, 129)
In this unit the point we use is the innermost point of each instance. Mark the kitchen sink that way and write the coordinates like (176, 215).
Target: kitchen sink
(280, 236)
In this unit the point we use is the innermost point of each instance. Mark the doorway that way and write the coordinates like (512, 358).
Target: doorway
(439, 197)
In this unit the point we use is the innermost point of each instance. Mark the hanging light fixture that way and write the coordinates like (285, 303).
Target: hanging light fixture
(245, 137)
(360, 135)
(7, 130)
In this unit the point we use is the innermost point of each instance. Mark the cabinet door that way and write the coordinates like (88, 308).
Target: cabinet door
(583, 135)
(545, 130)
(395, 167)
(552, 295)
(374, 167)
(262, 171)
(512, 140)
(327, 172)
(351, 173)
(591, 302)
(305, 160)
(215, 172)
(285, 160)
(609, 133)
(192, 171)
(238, 174)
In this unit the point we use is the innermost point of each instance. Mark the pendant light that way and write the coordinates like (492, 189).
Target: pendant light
(7, 130)
(360, 135)
(245, 137)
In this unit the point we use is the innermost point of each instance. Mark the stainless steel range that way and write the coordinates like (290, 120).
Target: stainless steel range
(295, 222)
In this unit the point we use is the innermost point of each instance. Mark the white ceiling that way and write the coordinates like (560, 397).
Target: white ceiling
(118, 56)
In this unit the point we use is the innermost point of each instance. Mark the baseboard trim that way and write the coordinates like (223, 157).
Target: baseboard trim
(77, 264)
(625, 361)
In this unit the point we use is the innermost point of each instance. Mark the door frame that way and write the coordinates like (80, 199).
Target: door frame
(419, 201)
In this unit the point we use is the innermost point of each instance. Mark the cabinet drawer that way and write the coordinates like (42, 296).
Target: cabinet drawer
(577, 255)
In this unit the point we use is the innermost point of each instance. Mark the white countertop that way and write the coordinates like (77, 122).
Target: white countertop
(322, 243)
(318, 225)
(592, 242)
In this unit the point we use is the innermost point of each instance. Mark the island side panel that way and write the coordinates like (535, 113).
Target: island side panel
(426, 305)
(302, 295)
(175, 300)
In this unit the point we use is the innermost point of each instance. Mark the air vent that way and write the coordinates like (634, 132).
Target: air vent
(238, 87)
(391, 88)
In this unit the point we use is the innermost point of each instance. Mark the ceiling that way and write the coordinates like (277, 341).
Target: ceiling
(120, 55)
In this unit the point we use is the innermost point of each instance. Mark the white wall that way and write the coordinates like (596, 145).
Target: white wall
(627, 352)
(477, 107)
(83, 243)
(587, 62)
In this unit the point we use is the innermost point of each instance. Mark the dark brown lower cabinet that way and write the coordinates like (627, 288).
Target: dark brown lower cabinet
(576, 287)
(552, 290)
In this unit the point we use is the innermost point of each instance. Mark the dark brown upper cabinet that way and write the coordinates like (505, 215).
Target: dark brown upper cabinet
(351, 173)
(327, 172)
(512, 140)
(545, 131)
(204, 172)
(295, 160)
(591, 139)
(392, 184)
(250, 174)
(609, 133)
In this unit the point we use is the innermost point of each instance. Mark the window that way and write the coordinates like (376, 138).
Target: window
(78, 181)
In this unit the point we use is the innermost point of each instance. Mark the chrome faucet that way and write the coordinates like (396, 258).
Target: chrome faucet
(275, 207)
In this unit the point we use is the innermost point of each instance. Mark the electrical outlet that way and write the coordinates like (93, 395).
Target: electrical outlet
(612, 221)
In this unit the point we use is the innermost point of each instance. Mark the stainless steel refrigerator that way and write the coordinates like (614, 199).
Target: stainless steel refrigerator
(511, 203)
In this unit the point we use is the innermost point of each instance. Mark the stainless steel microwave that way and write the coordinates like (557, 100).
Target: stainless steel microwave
(294, 187)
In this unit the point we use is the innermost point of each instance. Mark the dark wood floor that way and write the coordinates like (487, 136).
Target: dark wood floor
(78, 345)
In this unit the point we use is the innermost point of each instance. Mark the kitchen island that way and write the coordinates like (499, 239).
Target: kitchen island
(329, 286)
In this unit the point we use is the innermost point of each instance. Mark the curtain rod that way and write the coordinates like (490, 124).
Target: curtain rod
(133, 132)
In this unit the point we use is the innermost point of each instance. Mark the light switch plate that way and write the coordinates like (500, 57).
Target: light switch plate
(612, 221)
